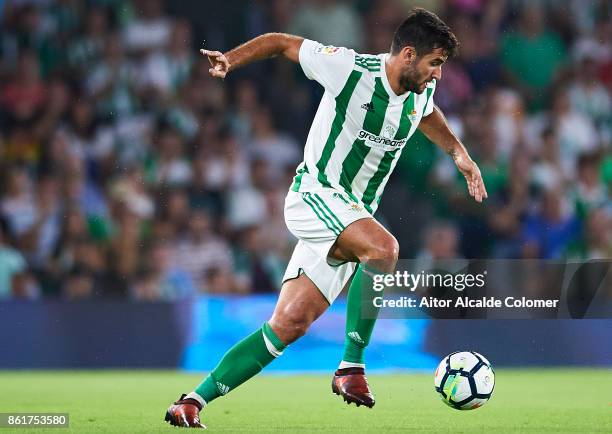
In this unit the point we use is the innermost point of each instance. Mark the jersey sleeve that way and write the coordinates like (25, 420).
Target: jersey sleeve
(429, 105)
(328, 65)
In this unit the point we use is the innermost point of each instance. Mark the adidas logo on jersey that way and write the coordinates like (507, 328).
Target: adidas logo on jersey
(223, 389)
(368, 106)
(355, 336)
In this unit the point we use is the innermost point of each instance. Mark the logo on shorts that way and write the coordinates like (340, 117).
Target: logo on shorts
(356, 207)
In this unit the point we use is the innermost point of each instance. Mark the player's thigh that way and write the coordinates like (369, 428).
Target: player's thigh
(300, 303)
(365, 238)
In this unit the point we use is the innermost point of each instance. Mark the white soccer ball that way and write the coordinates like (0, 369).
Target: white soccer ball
(464, 380)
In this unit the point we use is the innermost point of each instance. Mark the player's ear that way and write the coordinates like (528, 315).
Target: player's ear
(408, 54)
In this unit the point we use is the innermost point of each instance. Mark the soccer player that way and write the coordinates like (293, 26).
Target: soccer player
(371, 106)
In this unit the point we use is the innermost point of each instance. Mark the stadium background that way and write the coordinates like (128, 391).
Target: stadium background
(141, 200)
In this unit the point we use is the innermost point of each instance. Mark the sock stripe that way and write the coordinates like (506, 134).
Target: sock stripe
(195, 395)
(271, 349)
(274, 345)
(344, 364)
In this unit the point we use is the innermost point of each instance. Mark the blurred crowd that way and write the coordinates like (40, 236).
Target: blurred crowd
(128, 172)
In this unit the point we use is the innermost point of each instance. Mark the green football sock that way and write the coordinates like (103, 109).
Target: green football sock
(359, 329)
(244, 360)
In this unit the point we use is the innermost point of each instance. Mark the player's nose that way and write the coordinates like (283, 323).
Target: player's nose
(437, 74)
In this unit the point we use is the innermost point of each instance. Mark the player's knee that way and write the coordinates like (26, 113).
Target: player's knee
(391, 249)
(290, 325)
(382, 254)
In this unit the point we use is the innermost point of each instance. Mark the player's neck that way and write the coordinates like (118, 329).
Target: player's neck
(392, 70)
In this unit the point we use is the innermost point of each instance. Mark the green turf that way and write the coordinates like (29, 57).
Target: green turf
(535, 401)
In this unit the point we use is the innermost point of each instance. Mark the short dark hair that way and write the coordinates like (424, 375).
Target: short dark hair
(424, 31)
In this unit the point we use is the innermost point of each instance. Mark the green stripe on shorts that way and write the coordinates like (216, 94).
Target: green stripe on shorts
(329, 211)
(339, 227)
(317, 210)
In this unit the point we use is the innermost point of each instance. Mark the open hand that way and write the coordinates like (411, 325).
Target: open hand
(472, 175)
(220, 64)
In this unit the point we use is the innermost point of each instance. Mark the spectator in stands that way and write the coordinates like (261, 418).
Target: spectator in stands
(169, 164)
(199, 249)
(24, 95)
(575, 132)
(588, 96)
(509, 209)
(78, 285)
(165, 71)
(548, 233)
(111, 83)
(441, 242)
(12, 262)
(531, 55)
(25, 286)
(150, 30)
(86, 138)
(160, 279)
(41, 232)
(598, 235)
(278, 150)
(589, 191)
(17, 205)
(330, 21)
(258, 269)
(74, 230)
(85, 50)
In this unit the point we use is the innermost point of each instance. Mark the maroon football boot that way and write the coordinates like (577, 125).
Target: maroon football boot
(185, 413)
(352, 384)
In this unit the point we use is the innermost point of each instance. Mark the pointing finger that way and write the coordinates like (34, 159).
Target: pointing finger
(211, 53)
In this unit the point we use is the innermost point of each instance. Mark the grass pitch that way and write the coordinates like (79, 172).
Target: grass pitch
(534, 401)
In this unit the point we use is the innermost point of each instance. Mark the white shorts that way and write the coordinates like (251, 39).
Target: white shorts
(316, 218)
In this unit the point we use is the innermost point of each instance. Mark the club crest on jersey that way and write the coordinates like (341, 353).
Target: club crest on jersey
(327, 49)
(413, 116)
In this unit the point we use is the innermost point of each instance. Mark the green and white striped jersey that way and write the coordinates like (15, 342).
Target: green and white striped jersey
(361, 125)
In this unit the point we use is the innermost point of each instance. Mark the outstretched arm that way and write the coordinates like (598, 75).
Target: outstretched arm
(262, 47)
(437, 130)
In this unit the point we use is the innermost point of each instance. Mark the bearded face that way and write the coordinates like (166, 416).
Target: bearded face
(420, 70)
(413, 80)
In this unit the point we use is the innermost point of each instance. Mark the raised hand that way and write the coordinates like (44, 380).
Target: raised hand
(218, 61)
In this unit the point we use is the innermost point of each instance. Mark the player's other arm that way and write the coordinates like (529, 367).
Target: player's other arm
(262, 47)
(435, 127)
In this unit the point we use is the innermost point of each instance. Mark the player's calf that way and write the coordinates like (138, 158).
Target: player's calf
(298, 306)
